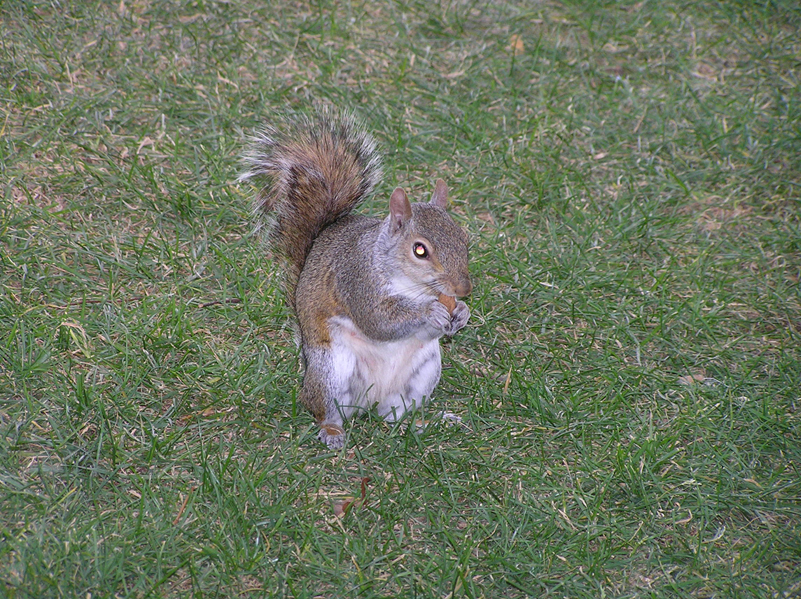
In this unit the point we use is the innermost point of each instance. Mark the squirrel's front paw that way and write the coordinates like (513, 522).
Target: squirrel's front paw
(438, 317)
(459, 318)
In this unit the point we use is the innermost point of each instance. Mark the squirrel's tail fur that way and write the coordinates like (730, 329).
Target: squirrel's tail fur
(311, 172)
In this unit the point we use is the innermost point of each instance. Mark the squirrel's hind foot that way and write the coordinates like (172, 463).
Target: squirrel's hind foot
(332, 435)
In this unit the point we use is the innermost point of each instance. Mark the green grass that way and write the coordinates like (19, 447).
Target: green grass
(631, 376)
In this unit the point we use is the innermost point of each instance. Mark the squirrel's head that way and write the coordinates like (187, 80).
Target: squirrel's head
(430, 247)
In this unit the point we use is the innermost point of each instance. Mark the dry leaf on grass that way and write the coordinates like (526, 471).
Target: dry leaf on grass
(342, 506)
(691, 379)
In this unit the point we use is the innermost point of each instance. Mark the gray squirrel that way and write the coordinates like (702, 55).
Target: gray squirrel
(372, 297)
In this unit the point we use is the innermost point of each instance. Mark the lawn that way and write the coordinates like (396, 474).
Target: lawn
(629, 383)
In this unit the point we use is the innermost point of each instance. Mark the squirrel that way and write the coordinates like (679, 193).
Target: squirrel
(369, 294)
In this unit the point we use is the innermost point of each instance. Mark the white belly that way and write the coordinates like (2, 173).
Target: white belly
(395, 375)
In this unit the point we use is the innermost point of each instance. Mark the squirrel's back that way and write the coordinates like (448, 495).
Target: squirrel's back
(312, 172)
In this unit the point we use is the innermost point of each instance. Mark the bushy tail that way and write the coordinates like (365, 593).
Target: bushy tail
(312, 171)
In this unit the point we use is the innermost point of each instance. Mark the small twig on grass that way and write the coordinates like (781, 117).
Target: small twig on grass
(183, 507)
(228, 301)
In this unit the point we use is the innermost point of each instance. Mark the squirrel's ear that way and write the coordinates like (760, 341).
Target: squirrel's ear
(400, 210)
(440, 195)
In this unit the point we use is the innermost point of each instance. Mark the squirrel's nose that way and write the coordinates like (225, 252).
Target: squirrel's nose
(463, 287)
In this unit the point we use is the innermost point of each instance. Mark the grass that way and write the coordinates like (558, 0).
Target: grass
(630, 379)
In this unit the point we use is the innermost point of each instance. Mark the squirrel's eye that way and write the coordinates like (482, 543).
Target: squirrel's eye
(420, 250)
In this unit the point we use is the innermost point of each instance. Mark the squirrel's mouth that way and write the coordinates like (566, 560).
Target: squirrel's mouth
(460, 289)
